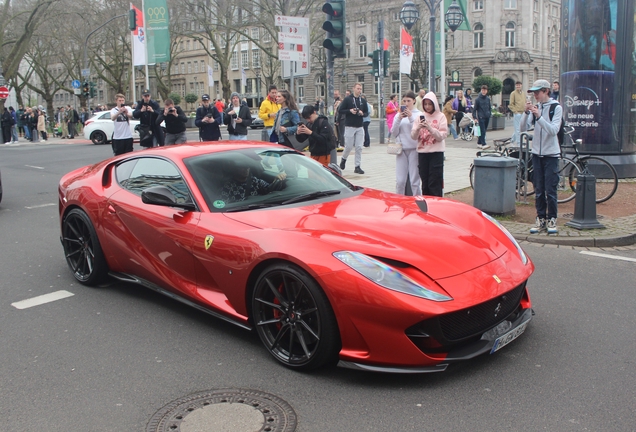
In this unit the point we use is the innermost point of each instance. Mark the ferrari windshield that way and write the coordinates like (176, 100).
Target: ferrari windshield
(249, 179)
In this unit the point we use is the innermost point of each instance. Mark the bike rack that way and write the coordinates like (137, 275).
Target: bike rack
(524, 152)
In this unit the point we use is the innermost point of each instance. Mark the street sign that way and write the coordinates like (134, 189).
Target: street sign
(293, 38)
(291, 21)
(4, 92)
(77, 91)
(86, 72)
(76, 84)
(292, 55)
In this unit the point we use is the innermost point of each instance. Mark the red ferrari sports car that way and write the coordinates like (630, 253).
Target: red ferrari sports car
(325, 271)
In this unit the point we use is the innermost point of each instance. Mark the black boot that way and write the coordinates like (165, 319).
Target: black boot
(343, 162)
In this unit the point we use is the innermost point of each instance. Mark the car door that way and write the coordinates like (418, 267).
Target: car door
(154, 242)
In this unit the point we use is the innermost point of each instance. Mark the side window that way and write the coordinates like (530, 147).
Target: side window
(105, 116)
(139, 174)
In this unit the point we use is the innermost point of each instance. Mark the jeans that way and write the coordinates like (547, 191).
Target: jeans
(176, 138)
(452, 129)
(516, 135)
(483, 125)
(27, 132)
(238, 137)
(431, 168)
(14, 133)
(546, 180)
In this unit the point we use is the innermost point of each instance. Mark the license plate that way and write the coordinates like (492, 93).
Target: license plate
(513, 334)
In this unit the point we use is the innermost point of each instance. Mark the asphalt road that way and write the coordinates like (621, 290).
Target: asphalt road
(106, 359)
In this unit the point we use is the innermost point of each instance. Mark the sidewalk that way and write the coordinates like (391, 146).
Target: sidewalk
(379, 168)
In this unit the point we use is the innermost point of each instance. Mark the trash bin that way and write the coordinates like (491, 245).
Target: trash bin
(495, 182)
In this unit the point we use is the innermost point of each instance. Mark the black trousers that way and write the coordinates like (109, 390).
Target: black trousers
(431, 167)
(122, 146)
(367, 139)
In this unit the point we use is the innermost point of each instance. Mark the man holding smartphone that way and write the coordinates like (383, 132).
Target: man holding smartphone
(147, 111)
(207, 120)
(354, 107)
(122, 135)
(517, 106)
(175, 121)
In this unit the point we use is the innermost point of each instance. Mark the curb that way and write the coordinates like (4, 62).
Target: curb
(610, 241)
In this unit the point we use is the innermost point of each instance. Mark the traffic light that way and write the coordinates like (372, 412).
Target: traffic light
(132, 20)
(85, 90)
(335, 26)
(374, 63)
(93, 90)
(387, 62)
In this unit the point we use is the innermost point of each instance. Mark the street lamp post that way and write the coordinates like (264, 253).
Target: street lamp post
(409, 16)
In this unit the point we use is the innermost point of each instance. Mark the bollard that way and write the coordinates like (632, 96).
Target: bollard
(585, 204)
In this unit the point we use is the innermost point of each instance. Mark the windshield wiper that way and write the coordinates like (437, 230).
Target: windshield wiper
(249, 207)
(310, 196)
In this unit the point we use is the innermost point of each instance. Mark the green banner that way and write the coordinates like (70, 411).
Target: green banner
(157, 18)
(462, 5)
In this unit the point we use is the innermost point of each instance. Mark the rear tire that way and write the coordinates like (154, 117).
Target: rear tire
(606, 176)
(82, 249)
(98, 137)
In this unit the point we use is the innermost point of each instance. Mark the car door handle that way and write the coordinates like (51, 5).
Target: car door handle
(111, 209)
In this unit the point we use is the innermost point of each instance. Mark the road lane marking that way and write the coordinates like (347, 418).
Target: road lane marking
(33, 166)
(616, 257)
(40, 205)
(39, 300)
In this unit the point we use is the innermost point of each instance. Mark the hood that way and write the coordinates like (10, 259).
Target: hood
(390, 227)
(431, 96)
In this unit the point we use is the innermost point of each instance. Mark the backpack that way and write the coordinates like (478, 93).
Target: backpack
(561, 132)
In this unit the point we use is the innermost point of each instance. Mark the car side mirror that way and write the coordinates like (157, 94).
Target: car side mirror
(162, 196)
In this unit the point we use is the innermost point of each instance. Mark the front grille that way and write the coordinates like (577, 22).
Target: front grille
(479, 318)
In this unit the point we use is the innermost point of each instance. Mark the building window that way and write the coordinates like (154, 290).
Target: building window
(376, 85)
(196, 66)
(478, 36)
(510, 35)
(362, 42)
(348, 48)
(216, 66)
(189, 67)
(320, 86)
(300, 89)
(255, 33)
(360, 79)
(477, 72)
(182, 68)
(245, 60)
(256, 58)
(478, 5)
(535, 36)
(395, 84)
(510, 4)
(234, 61)
(535, 6)
(267, 37)
(362, 21)
(187, 45)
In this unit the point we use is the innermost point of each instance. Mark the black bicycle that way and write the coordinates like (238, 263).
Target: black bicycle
(604, 172)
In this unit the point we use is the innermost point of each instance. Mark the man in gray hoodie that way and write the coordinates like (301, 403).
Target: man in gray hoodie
(545, 154)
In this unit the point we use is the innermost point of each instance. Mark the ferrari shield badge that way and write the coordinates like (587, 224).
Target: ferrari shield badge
(495, 277)
(208, 241)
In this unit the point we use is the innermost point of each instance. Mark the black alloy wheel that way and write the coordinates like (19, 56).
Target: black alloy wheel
(294, 319)
(98, 137)
(83, 252)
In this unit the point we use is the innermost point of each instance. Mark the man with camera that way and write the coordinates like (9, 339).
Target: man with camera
(147, 111)
(355, 108)
(122, 135)
(207, 120)
(237, 118)
(175, 121)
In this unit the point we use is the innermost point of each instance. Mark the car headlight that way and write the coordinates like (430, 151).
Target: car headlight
(387, 277)
(522, 254)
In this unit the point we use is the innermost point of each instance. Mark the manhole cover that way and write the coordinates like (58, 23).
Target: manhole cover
(225, 410)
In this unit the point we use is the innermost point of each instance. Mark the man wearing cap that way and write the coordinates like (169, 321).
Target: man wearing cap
(545, 154)
(237, 118)
(207, 120)
(268, 110)
(147, 111)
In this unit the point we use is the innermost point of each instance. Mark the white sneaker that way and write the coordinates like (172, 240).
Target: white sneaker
(484, 147)
(538, 227)
(552, 226)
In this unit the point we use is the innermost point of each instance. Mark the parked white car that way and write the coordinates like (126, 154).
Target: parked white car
(100, 127)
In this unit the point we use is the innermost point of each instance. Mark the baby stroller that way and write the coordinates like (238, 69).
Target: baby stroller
(466, 126)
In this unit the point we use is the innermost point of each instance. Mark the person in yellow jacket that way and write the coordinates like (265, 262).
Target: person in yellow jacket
(268, 111)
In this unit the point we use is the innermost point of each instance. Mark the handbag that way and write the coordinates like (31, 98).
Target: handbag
(394, 148)
(145, 135)
(476, 130)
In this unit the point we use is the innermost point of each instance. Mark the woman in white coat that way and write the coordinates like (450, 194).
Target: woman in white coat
(406, 163)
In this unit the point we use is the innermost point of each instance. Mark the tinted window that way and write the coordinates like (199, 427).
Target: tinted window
(142, 173)
(106, 115)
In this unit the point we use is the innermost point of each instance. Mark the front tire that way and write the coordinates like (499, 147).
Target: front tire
(83, 252)
(294, 319)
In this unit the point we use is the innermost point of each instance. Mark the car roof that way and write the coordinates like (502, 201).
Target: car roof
(195, 148)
